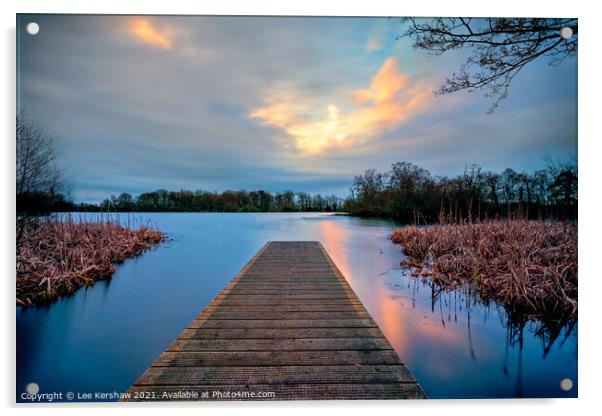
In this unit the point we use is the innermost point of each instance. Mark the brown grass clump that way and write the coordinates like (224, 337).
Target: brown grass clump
(528, 266)
(57, 257)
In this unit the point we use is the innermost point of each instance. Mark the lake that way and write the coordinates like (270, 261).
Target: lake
(102, 338)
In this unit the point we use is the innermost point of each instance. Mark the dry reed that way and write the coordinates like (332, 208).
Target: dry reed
(527, 266)
(57, 257)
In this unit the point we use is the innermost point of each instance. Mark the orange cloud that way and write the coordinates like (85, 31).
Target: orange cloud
(147, 32)
(393, 95)
(391, 98)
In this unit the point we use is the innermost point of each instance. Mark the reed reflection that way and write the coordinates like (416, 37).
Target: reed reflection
(460, 318)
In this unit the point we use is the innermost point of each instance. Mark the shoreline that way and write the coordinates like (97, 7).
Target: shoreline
(56, 257)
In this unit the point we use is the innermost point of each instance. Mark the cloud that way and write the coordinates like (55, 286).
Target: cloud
(394, 97)
(389, 101)
(148, 32)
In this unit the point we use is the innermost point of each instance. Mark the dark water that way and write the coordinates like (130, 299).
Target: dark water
(102, 338)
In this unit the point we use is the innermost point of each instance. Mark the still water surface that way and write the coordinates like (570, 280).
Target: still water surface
(102, 338)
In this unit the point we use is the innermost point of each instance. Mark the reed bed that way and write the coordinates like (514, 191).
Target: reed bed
(527, 266)
(56, 257)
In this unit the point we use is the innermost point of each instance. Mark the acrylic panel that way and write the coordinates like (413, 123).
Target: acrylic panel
(295, 208)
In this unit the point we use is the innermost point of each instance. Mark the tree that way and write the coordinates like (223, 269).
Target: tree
(368, 192)
(125, 202)
(36, 153)
(473, 183)
(410, 194)
(230, 201)
(304, 201)
(265, 200)
(406, 182)
(492, 183)
(500, 48)
(509, 181)
(37, 178)
(563, 190)
(289, 200)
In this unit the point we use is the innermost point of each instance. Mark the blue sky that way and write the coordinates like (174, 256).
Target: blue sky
(138, 103)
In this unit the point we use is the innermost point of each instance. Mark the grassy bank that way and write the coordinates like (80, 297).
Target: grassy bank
(528, 266)
(57, 257)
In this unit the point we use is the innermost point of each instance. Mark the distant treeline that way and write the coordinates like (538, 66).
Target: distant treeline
(406, 192)
(188, 201)
(411, 194)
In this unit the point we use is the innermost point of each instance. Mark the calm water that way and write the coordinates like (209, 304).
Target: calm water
(102, 338)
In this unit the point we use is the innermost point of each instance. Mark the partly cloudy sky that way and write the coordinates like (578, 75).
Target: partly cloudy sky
(138, 103)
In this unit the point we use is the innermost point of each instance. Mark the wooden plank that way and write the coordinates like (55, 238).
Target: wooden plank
(278, 301)
(279, 333)
(284, 323)
(288, 324)
(294, 280)
(280, 344)
(274, 358)
(263, 315)
(321, 374)
(302, 296)
(290, 286)
(290, 291)
(316, 307)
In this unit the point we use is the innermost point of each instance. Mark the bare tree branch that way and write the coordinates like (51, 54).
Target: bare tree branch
(501, 48)
(36, 172)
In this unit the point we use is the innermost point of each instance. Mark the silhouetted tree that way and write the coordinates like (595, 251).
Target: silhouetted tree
(37, 178)
(500, 48)
(410, 194)
(125, 202)
(368, 191)
(563, 191)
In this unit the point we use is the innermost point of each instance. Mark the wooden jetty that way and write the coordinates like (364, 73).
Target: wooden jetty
(288, 327)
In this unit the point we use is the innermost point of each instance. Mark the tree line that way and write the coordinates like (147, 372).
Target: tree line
(411, 194)
(227, 201)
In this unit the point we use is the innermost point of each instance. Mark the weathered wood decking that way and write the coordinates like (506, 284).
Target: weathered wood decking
(287, 327)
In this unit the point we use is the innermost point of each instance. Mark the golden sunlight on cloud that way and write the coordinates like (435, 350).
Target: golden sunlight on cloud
(391, 98)
(144, 30)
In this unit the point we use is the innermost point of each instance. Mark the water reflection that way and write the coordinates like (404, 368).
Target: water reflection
(104, 337)
(333, 236)
(524, 337)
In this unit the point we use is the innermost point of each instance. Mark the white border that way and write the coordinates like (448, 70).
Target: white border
(590, 95)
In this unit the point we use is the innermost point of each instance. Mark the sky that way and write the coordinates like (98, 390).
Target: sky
(138, 103)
